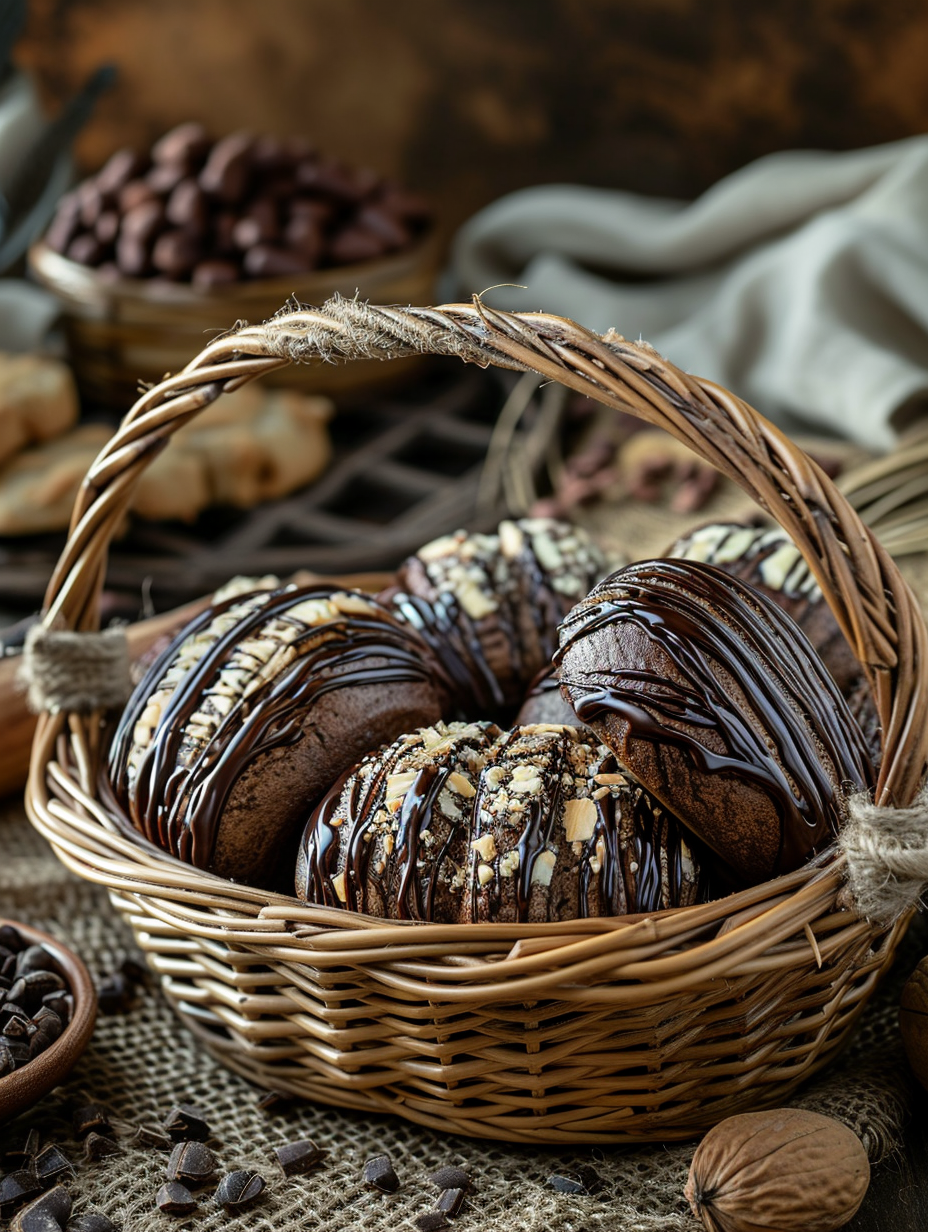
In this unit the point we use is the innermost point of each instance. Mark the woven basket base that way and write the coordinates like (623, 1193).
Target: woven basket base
(142, 1062)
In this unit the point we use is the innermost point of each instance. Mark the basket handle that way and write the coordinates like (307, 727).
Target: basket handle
(874, 606)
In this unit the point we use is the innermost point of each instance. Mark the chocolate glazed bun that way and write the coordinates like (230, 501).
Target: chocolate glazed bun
(251, 714)
(765, 557)
(467, 824)
(489, 605)
(715, 700)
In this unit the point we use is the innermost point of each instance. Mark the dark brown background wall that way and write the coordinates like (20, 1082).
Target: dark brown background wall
(470, 100)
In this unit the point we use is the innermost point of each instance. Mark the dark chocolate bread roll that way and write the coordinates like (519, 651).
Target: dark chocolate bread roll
(545, 703)
(489, 605)
(252, 712)
(715, 700)
(765, 557)
(466, 824)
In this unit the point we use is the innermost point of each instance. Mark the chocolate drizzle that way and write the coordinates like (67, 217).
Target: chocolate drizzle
(704, 620)
(388, 864)
(450, 634)
(179, 805)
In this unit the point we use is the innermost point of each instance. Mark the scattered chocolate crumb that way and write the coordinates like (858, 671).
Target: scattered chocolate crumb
(115, 994)
(274, 1101)
(379, 1174)
(238, 1189)
(91, 1117)
(22, 1156)
(175, 1199)
(192, 1163)
(450, 1201)
(91, 1221)
(451, 1177)
(16, 1189)
(566, 1184)
(50, 1164)
(48, 1213)
(99, 1146)
(297, 1157)
(187, 1123)
(433, 1221)
(589, 1178)
(152, 1139)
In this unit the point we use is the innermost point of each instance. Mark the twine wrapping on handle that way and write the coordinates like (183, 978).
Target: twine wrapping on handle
(887, 856)
(80, 672)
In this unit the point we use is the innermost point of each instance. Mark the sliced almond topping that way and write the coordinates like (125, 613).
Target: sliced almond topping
(509, 863)
(530, 786)
(511, 539)
(313, 611)
(485, 847)
(580, 820)
(464, 787)
(610, 780)
(352, 604)
(474, 602)
(399, 784)
(543, 868)
(438, 548)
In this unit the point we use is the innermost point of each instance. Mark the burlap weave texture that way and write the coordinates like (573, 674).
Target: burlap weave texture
(142, 1062)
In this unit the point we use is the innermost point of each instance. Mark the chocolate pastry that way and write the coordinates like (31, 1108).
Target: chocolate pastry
(766, 557)
(463, 823)
(489, 605)
(714, 699)
(252, 712)
(545, 703)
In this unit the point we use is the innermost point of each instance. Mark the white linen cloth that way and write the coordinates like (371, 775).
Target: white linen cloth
(800, 282)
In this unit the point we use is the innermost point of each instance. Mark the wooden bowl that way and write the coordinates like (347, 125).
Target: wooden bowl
(121, 332)
(26, 1086)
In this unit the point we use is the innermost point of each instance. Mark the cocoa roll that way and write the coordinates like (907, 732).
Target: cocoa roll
(464, 823)
(489, 605)
(253, 711)
(714, 699)
(766, 557)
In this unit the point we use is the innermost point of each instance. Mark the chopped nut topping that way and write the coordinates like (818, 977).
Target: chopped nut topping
(485, 847)
(338, 885)
(457, 782)
(543, 868)
(580, 819)
(509, 863)
(484, 873)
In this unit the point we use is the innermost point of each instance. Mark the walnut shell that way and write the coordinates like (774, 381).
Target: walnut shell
(785, 1170)
(913, 1021)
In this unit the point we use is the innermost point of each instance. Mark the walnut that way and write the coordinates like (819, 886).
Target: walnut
(787, 1169)
(913, 1021)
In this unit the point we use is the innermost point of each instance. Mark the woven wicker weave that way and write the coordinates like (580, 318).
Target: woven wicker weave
(605, 1030)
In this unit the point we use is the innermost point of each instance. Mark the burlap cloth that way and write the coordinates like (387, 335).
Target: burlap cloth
(141, 1062)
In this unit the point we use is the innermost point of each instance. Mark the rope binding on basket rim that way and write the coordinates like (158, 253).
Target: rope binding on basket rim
(885, 847)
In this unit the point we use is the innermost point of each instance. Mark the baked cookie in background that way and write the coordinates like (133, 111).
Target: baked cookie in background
(38, 401)
(248, 447)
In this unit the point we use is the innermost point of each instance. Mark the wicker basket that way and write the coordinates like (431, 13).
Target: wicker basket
(120, 332)
(604, 1030)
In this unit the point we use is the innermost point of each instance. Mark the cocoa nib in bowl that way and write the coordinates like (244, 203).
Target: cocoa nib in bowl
(47, 1011)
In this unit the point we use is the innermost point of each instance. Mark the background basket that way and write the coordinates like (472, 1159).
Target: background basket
(126, 330)
(605, 1030)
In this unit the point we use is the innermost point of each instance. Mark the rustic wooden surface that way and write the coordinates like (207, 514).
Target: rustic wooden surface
(470, 100)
